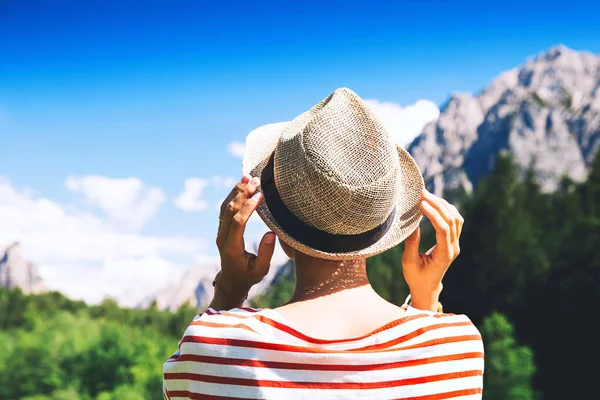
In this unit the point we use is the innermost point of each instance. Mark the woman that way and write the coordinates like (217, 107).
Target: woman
(335, 190)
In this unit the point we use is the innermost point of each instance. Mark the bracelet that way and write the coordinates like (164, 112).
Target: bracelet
(217, 287)
(440, 308)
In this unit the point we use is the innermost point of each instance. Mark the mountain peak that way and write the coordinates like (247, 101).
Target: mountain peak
(17, 272)
(545, 112)
(556, 52)
(13, 248)
(460, 97)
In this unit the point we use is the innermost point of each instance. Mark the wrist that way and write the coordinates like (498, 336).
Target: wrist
(426, 299)
(229, 286)
(226, 298)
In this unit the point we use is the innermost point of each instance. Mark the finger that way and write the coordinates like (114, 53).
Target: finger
(241, 186)
(449, 208)
(437, 203)
(235, 240)
(262, 262)
(411, 248)
(233, 207)
(443, 246)
(441, 207)
(457, 223)
(238, 201)
(459, 219)
(223, 229)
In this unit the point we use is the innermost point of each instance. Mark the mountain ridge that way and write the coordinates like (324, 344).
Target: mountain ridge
(18, 272)
(194, 288)
(546, 113)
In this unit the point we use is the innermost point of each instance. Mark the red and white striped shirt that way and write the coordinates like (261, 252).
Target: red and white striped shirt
(256, 354)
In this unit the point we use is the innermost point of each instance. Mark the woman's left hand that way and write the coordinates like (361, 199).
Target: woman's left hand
(423, 272)
(240, 270)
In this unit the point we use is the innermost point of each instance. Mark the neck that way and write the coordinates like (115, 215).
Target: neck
(316, 277)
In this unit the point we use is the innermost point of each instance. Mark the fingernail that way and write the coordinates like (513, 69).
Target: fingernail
(255, 181)
(270, 238)
(257, 196)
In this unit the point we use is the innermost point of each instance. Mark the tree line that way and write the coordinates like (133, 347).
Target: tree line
(54, 348)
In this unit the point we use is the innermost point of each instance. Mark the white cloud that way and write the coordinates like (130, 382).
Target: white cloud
(190, 199)
(226, 182)
(404, 123)
(127, 201)
(89, 257)
(236, 149)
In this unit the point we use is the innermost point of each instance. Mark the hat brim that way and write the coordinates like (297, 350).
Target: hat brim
(261, 143)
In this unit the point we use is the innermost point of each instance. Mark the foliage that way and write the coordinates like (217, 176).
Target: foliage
(53, 348)
(501, 249)
(509, 368)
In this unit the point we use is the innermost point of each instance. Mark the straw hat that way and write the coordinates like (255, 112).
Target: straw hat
(336, 186)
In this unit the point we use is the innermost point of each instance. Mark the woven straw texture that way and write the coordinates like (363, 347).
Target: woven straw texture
(337, 169)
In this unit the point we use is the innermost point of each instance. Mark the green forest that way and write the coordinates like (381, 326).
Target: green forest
(527, 276)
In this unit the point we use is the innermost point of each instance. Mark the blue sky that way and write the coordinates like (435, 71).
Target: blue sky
(157, 91)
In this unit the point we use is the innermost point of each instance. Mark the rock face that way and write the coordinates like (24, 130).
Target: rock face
(546, 113)
(195, 286)
(17, 272)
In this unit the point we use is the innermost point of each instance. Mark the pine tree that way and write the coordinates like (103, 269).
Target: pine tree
(501, 252)
(564, 330)
(509, 368)
(591, 189)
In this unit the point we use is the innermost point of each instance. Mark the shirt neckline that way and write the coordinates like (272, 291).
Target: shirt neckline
(410, 312)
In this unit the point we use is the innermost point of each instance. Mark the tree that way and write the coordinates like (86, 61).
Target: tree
(591, 189)
(501, 253)
(108, 361)
(32, 369)
(509, 368)
(564, 332)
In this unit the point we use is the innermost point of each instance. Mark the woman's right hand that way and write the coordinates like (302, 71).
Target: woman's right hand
(240, 270)
(423, 272)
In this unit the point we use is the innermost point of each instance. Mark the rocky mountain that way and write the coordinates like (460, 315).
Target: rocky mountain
(195, 286)
(546, 113)
(17, 272)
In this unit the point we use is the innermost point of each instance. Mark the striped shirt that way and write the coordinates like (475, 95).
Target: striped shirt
(256, 354)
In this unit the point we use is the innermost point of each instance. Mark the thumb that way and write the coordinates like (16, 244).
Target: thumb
(411, 247)
(265, 253)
